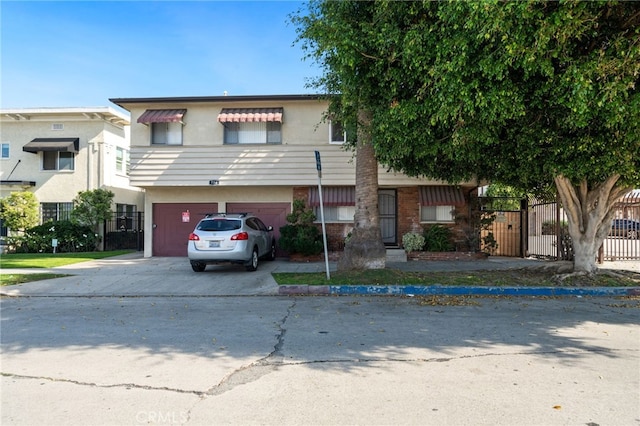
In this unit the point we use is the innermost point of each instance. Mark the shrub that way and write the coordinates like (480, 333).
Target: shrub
(412, 242)
(438, 238)
(301, 235)
(71, 238)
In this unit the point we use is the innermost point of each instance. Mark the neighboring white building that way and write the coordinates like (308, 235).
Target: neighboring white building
(57, 152)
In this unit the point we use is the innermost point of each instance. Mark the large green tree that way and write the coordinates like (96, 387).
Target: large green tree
(530, 94)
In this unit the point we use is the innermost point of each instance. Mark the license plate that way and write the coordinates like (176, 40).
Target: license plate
(214, 244)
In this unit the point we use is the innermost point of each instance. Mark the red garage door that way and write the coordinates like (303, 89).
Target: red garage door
(172, 224)
(274, 214)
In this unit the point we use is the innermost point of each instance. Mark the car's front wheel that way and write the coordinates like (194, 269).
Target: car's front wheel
(253, 262)
(198, 266)
(632, 234)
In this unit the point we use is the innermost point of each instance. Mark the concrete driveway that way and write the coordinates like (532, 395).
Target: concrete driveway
(134, 275)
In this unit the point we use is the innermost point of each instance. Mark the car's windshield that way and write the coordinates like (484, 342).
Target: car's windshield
(219, 225)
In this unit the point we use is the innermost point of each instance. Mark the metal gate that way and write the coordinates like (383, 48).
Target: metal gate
(124, 232)
(548, 235)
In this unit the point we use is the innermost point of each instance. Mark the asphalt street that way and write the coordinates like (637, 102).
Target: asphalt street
(83, 351)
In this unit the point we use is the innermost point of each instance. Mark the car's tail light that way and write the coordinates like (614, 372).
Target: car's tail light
(193, 237)
(240, 236)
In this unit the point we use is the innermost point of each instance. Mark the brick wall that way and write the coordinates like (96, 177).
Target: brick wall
(408, 214)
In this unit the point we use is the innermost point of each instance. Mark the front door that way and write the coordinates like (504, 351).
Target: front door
(388, 221)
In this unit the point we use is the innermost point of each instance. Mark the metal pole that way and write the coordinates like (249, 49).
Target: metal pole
(324, 230)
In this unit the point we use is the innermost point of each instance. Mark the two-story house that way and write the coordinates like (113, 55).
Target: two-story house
(198, 155)
(57, 152)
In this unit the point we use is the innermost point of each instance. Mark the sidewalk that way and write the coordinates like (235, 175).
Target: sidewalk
(133, 275)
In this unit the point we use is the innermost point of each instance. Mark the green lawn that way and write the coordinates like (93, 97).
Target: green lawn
(45, 260)
(50, 260)
(515, 277)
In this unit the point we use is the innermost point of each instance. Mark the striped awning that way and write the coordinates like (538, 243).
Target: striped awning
(248, 115)
(162, 116)
(333, 196)
(441, 195)
(52, 144)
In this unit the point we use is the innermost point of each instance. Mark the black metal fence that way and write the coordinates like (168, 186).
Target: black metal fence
(548, 236)
(123, 232)
(538, 228)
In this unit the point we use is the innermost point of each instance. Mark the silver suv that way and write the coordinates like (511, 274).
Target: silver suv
(230, 237)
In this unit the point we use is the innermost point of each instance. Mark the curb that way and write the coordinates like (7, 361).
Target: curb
(409, 290)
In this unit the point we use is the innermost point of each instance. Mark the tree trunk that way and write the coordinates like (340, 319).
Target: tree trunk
(589, 214)
(365, 249)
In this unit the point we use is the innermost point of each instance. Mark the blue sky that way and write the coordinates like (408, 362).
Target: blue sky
(80, 54)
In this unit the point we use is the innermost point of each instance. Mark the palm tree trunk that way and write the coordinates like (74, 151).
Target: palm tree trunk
(365, 249)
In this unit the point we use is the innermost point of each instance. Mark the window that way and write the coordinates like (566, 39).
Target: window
(253, 132)
(166, 133)
(336, 213)
(5, 150)
(337, 134)
(125, 210)
(57, 126)
(122, 161)
(54, 160)
(55, 211)
(4, 231)
(437, 214)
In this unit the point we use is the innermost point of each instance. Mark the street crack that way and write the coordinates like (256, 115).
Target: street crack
(261, 367)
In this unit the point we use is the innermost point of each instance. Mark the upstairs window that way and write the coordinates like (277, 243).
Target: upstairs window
(122, 161)
(337, 133)
(5, 150)
(251, 125)
(252, 133)
(166, 125)
(54, 160)
(166, 133)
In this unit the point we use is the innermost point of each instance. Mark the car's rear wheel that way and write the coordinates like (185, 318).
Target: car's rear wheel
(632, 234)
(253, 262)
(198, 266)
(272, 251)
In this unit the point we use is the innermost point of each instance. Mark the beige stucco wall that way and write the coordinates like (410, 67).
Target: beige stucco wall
(94, 163)
(301, 123)
(203, 156)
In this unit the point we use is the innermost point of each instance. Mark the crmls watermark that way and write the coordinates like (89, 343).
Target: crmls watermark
(162, 417)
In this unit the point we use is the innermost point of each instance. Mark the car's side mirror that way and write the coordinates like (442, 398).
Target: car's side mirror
(269, 228)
